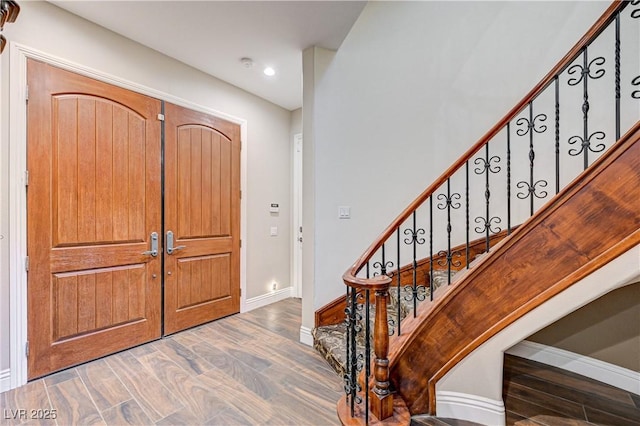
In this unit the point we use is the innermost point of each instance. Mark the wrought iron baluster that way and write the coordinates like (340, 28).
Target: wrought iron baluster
(557, 90)
(448, 203)
(383, 265)
(367, 356)
(635, 13)
(466, 191)
(486, 167)
(508, 178)
(617, 60)
(587, 71)
(431, 248)
(530, 127)
(415, 239)
(398, 279)
(350, 378)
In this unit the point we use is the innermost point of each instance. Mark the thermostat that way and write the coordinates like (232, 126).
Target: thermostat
(274, 208)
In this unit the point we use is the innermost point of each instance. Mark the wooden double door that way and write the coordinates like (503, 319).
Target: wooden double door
(133, 218)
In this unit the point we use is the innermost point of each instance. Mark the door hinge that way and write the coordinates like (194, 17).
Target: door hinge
(26, 178)
(241, 194)
(26, 264)
(161, 117)
(26, 349)
(26, 93)
(240, 243)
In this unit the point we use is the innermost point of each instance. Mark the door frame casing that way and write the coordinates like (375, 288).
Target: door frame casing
(296, 215)
(17, 243)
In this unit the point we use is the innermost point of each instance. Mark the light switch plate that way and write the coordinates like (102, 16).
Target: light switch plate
(274, 231)
(344, 212)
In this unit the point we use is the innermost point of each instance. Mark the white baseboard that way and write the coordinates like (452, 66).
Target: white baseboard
(463, 406)
(610, 374)
(267, 299)
(305, 336)
(5, 380)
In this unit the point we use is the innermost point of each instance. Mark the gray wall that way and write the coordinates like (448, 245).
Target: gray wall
(607, 329)
(56, 32)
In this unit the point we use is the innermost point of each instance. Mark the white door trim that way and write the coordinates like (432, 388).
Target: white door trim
(17, 195)
(296, 215)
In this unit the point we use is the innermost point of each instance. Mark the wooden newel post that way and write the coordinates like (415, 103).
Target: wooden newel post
(380, 396)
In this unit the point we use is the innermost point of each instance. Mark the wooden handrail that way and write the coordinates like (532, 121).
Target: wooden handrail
(349, 277)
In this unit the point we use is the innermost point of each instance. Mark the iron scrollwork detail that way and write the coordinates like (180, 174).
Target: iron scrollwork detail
(531, 125)
(352, 390)
(586, 144)
(448, 258)
(487, 225)
(484, 165)
(449, 201)
(532, 190)
(636, 81)
(414, 236)
(418, 293)
(383, 267)
(586, 71)
(635, 13)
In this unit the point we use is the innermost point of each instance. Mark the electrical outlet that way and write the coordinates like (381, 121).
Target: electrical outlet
(274, 286)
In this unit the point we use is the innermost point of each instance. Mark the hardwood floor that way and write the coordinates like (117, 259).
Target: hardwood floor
(537, 394)
(250, 369)
(245, 369)
(540, 395)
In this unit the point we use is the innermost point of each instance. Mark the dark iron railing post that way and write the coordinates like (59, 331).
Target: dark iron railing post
(508, 178)
(431, 247)
(367, 352)
(617, 62)
(557, 96)
(399, 279)
(466, 191)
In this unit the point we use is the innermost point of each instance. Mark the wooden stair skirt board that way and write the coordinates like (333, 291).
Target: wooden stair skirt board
(589, 223)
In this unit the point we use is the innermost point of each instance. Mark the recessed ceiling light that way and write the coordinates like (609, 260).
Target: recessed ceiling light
(269, 71)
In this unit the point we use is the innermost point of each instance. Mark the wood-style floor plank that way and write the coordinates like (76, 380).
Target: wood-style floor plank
(200, 395)
(126, 413)
(551, 396)
(183, 356)
(154, 398)
(73, 404)
(104, 387)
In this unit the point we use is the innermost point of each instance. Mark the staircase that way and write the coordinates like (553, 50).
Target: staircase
(422, 298)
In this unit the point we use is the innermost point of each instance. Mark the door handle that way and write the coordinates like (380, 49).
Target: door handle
(154, 245)
(170, 247)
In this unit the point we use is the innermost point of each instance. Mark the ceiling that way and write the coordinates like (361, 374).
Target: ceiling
(213, 36)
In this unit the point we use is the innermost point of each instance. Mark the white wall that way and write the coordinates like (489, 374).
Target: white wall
(53, 31)
(412, 87)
